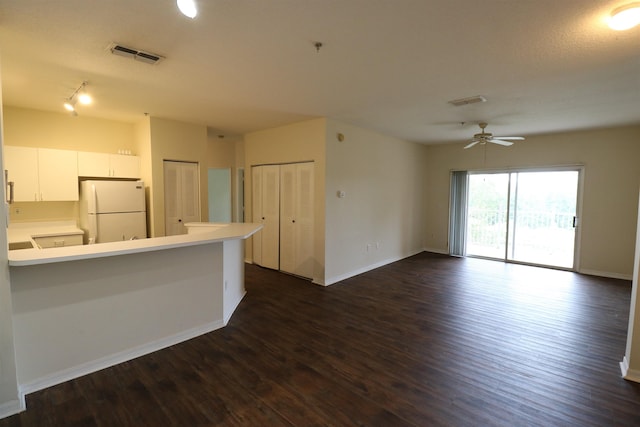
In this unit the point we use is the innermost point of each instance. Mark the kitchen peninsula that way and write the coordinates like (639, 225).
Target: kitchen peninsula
(78, 309)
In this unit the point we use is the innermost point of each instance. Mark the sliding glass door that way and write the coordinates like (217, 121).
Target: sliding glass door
(523, 216)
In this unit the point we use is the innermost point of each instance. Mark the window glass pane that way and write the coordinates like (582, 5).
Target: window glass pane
(487, 215)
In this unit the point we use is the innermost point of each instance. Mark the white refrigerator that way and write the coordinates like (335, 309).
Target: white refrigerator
(112, 211)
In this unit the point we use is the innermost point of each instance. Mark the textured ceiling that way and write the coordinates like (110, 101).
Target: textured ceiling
(386, 65)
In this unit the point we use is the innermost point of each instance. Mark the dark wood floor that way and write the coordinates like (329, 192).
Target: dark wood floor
(427, 341)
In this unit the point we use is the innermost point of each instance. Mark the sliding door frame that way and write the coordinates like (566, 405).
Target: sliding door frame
(559, 168)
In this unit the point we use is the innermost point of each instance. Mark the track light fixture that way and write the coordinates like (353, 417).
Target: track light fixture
(188, 8)
(79, 95)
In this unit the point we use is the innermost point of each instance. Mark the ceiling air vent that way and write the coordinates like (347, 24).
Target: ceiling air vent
(137, 55)
(467, 101)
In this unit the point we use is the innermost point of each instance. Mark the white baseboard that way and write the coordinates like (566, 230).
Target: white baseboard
(629, 374)
(436, 251)
(605, 274)
(369, 267)
(12, 407)
(237, 303)
(114, 359)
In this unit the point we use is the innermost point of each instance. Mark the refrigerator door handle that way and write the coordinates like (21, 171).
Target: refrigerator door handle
(94, 198)
(93, 220)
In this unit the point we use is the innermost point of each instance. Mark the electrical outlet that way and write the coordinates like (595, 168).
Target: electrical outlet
(16, 211)
(377, 245)
(368, 247)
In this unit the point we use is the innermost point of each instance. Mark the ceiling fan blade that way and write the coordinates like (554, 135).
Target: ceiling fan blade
(500, 142)
(472, 144)
(513, 138)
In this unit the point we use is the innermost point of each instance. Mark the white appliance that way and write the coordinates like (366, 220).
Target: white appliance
(112, 211)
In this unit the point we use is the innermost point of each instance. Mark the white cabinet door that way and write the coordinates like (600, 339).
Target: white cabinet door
(181, 196)
(22, 166)
(296, 219)
(123, 166)
(103, 165)
(58, 175)
(266, 210)
(42, 174)
(93, 164)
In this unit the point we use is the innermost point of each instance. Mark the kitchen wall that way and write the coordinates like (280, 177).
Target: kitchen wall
(611, 159)
(153, 139)
(34, 128)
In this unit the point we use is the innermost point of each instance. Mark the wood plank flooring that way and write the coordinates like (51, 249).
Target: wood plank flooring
(427, 341)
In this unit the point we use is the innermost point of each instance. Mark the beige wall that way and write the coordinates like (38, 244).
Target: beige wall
(299, 142)
(611, 159)
(34, 128)
(381, 217)
(178, 141)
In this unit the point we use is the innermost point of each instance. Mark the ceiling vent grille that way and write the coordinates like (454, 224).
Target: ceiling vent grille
(467, 101)
(137, 55)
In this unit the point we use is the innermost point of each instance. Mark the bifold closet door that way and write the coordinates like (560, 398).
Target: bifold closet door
(266, 211)
(296, 219)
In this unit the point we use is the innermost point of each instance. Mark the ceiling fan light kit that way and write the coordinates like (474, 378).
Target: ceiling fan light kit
(484, 137)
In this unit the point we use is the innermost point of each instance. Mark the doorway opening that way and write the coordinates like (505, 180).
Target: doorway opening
(528, 217)
(219, 194)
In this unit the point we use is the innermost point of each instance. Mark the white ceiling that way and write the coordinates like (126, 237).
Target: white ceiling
(386, 65)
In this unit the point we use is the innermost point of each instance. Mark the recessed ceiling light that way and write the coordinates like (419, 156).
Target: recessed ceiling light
(625, 17)
(188, 8)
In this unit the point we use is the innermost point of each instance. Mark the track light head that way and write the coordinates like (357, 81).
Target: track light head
(70, 105)
(79, 95)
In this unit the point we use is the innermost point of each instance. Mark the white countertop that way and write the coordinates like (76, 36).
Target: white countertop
(216, 233)
(25, 231)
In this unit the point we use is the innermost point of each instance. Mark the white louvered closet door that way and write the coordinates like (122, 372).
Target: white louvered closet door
(266, 210)
(296, 219)
(181, 196)
(256, 212)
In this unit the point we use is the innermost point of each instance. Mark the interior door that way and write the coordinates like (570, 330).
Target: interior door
(181, 196)
(296, 219)
(266, 210)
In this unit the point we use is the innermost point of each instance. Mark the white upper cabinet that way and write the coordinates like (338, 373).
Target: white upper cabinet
(42, 174)
(58, 174)
(103, 165)
(22, 166)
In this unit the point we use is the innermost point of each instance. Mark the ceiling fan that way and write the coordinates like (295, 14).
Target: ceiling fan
(484, 137)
